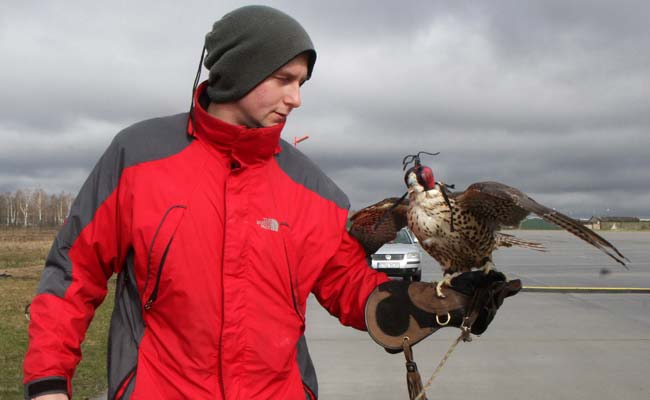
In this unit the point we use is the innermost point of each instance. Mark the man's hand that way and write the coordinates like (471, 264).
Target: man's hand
(494, 289)
(397, 309)
(54, 396)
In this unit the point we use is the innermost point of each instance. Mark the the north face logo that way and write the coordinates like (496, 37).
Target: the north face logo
(269, 223)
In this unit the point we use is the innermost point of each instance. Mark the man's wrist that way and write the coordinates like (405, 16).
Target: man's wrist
(55, 387)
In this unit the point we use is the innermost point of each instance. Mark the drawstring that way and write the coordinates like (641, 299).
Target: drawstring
(443, 190)
(196, 83)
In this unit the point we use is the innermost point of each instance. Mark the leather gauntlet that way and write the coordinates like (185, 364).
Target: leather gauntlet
(399, 309)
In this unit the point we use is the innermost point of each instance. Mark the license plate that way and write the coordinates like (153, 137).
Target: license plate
(387, 265)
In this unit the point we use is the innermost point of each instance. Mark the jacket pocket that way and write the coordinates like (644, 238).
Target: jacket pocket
(293, 272)
(158, 250)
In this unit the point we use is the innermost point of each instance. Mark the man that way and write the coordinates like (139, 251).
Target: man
(218, 232)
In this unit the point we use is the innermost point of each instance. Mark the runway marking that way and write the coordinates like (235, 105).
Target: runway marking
(583, 289)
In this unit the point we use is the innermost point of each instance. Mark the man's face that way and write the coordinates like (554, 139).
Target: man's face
(270, 102)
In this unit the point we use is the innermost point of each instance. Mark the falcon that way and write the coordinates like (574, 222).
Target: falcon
(460, 230)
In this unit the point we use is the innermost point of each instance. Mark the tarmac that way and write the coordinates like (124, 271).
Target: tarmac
(542, 345)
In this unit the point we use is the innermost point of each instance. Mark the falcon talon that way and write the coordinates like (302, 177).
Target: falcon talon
(445, 281)
(439, 293)
(487, 267)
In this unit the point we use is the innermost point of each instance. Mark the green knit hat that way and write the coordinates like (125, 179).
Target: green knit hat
(249, 44)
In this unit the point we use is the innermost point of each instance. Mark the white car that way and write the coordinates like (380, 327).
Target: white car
(401, 257)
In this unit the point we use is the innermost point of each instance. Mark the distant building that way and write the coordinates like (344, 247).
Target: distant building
(616, 223)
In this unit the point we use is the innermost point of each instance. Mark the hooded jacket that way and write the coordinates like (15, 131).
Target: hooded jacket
(218, 234)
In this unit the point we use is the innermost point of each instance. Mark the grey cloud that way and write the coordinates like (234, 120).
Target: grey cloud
(548, 96)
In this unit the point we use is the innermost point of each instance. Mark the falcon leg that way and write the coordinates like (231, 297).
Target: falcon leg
(446, 280)
(488, 266)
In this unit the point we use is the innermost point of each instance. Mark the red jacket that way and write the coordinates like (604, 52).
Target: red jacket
(218, 237)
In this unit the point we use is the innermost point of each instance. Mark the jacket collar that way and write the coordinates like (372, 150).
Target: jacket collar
(246, 145)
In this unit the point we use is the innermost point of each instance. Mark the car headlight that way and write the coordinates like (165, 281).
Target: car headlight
(413, 256)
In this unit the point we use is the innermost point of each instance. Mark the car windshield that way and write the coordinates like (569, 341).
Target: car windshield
(402, 238)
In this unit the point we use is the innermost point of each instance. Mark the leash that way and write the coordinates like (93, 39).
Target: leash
(413, 379)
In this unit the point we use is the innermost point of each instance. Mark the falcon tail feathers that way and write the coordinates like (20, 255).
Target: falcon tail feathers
(587, 235)
(505, 240)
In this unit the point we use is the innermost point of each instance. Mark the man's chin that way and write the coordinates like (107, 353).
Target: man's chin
(273, 122)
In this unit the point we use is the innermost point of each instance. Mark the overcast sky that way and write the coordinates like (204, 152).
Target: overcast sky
(552, 97)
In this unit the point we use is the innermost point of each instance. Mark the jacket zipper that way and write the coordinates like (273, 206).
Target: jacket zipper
(222, 384)
(154, 294)
(291, 282)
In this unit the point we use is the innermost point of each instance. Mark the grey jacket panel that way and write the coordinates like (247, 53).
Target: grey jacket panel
(145, 141)
(306, 366)
(303, 171)
(126, 330)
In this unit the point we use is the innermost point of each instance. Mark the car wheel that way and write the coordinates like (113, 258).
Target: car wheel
(417, 277)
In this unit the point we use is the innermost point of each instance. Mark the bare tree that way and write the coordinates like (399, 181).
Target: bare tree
(11, 209)
(22, 199)
(62, 203)
(37, 198)
(61, 209)
(34, 207)
(4, 210)
(60, 215)
(14, 210)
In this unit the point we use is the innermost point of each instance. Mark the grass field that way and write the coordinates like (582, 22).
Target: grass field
(22, 256)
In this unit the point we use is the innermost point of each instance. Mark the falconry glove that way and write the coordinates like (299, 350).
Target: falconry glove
(396, 310)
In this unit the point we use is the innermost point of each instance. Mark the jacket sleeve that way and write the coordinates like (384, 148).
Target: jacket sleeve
(83, 256)
(346, 282)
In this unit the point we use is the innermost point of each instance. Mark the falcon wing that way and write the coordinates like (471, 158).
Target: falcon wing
(499, 204)
(379, 223)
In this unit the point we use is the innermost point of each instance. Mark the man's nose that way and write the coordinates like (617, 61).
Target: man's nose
(292, 97)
